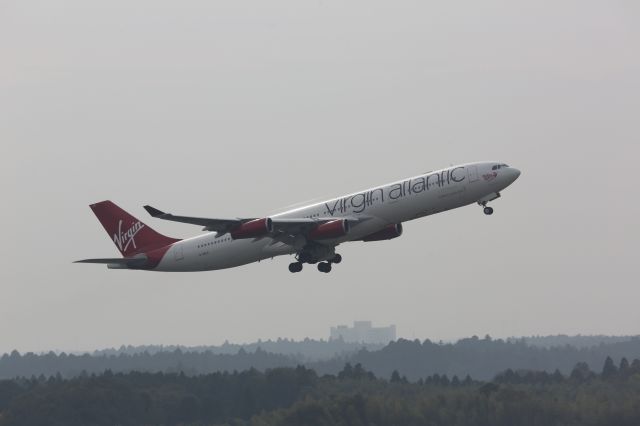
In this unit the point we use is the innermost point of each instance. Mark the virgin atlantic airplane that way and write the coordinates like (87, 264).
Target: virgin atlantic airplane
(310, 233)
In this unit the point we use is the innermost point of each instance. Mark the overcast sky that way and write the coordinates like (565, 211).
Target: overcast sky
(242, 108)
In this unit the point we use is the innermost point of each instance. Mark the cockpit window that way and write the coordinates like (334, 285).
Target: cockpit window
(499, 166)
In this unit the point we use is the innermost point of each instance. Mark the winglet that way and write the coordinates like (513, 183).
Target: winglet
(153, 211)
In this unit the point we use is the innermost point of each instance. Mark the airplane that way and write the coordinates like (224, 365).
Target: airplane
(310, 233)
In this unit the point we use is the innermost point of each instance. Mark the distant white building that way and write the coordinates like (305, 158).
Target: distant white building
(364, 332)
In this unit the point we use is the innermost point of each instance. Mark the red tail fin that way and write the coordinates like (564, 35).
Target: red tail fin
(129, 234)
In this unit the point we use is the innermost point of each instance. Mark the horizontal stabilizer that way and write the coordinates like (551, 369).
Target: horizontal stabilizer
(124, 261)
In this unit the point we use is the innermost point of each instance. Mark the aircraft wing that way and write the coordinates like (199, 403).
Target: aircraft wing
(221, 226)
(284, 229)
(294, 225)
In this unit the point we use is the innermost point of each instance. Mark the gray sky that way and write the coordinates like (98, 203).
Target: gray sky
(240, 108)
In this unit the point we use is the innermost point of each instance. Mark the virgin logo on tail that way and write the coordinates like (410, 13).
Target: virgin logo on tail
(124, 239)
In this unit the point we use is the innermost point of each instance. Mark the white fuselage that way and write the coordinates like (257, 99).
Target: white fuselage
(373, 209)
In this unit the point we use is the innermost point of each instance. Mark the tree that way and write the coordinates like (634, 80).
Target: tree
(488, 388)
(581, 372)
(557, 376)
(624, 366)
(609, 369)
(347, 372)
(444, 380)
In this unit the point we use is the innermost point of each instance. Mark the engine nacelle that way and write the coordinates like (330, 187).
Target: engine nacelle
(252, 229)
(334, 229)
(387, 233)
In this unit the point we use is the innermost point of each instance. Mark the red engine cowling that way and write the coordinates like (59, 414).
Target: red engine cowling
(387, 233)
(252, 229)
(334, 229)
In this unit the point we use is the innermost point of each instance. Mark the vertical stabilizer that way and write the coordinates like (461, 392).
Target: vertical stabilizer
(130, 235)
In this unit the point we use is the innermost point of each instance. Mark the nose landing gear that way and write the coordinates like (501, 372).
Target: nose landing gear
(483, 202)
(486, 209)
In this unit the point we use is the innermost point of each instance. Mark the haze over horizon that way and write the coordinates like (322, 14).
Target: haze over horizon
(230, 109)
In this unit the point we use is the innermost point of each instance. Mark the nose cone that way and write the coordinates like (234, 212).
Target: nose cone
(512, 175)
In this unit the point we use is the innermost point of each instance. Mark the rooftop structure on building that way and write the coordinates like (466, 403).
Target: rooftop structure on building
(364, 332)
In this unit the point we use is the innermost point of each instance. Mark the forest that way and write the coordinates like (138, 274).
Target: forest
(481, 358)
(353, 396)
(305, 350)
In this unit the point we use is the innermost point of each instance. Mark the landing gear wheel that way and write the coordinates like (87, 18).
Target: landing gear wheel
(336, 259)
(324, 267)
(488, 211)
(295, 267)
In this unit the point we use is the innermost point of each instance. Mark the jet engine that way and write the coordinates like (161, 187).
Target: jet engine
(252, 229)
(334, 229)
(387, 233)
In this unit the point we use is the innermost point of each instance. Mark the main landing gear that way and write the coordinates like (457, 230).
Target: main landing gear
(325, 266)
(488, 211)
(295, 267)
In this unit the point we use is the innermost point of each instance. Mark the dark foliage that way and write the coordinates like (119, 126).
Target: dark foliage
(190, 363)
(144, 398)
(298, 396)
(578, 341)
(306, 350)
(479, 358)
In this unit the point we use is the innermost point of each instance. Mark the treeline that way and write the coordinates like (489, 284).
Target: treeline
(307, 350)
(578, 341)
(479, 358)
(514, 398)
(355, 396)
(190, 363)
